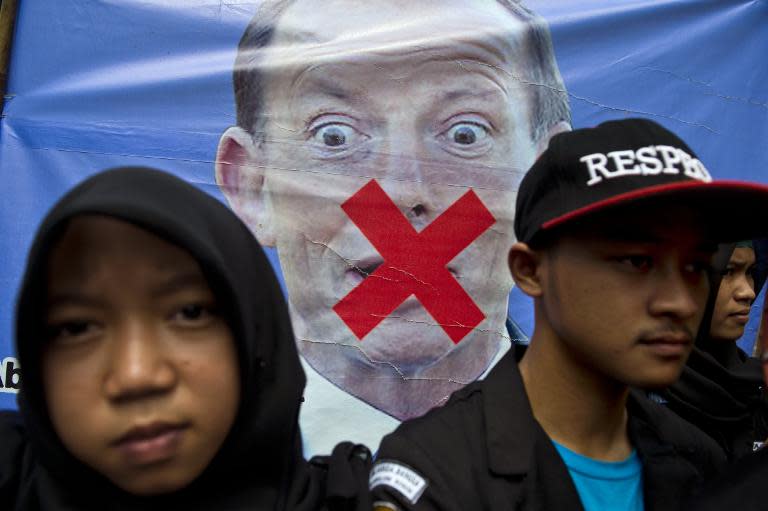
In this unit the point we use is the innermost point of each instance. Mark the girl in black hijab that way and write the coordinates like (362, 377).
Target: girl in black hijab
(721, 388)
(159, 369)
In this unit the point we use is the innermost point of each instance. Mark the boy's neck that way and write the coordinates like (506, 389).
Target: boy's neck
(584, 411)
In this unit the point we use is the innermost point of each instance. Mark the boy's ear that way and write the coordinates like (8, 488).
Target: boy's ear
(240, 173)
(543, 142)
(524, 265)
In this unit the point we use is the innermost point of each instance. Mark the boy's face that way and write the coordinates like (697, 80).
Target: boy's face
(625, 294)
(734, 297)
(139, 370)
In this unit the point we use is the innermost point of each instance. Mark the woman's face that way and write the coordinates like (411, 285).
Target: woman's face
(140, 371)
(735, 296)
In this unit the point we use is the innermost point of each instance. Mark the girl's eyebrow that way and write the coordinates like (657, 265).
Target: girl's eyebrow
(738, 265)
(72, 298)
(178, 282)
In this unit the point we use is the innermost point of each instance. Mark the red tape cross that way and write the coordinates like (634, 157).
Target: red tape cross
(414, 262)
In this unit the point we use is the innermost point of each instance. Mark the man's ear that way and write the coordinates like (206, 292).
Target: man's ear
(543, 143)
(240, 174)
(524, 266)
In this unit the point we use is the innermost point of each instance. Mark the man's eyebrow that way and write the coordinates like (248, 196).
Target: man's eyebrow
(629, 235)
(323, 85)
(639, 236)
(303, 36)
(336, 90)
(453, 95)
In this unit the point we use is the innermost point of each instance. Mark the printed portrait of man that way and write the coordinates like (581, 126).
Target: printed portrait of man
(352, 116)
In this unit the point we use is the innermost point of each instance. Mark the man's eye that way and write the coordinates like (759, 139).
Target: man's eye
(192, 311)
(334, 135)
(466, 133)
(637, 262)
(698, 267)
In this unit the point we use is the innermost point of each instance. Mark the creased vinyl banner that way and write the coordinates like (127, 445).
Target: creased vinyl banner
(375, 146)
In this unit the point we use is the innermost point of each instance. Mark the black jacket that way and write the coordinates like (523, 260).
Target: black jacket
(724, 397)
(259, 465)
(742, 487)
(484, 450)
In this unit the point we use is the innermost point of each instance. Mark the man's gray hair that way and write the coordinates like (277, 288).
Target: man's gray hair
(550, 99)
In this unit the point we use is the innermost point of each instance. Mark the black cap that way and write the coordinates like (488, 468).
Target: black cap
(632, 162)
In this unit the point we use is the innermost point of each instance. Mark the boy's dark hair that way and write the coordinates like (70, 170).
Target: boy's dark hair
(549, 97)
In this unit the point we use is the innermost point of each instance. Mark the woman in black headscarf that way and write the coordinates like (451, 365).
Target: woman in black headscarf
(190, 384)
(721, 388)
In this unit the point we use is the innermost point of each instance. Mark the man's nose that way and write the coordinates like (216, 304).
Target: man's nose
(675, 295)
(406, 182)
(414, 200)
(138, 366)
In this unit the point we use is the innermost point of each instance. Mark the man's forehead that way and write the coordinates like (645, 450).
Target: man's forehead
(668, 224)
(345, 29)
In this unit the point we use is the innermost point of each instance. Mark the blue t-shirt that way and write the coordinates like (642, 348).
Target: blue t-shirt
(605, 485)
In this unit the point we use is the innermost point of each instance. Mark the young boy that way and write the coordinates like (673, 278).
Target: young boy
(159, 366)
(616, 234)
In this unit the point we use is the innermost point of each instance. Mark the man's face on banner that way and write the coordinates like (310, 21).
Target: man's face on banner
(427, 98)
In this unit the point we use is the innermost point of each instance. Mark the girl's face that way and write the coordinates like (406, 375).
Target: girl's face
(735, 296)
(140, 371)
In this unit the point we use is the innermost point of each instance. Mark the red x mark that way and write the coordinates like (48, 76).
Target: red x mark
(414, 262)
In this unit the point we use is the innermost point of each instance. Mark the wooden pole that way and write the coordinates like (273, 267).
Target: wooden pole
(7, 19)
(762, 333)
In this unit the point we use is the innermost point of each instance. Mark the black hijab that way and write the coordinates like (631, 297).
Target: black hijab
(259, 465)
(721, 388)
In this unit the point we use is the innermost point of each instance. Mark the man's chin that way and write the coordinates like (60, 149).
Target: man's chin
(408, 353)
(409, 356)
(401, 375)
(407, 366)
(658, 381)
(411, 351)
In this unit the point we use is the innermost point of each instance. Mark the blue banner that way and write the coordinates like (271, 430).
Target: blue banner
(350, 139)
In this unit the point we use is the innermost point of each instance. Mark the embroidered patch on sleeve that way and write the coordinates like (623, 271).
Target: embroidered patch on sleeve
(405, 480)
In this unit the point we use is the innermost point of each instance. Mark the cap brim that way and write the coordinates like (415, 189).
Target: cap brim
(731, 210)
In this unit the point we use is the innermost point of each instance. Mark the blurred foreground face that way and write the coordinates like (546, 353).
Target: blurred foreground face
(427, 98)
(626, 294)
(735, 296)
(140, 372)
